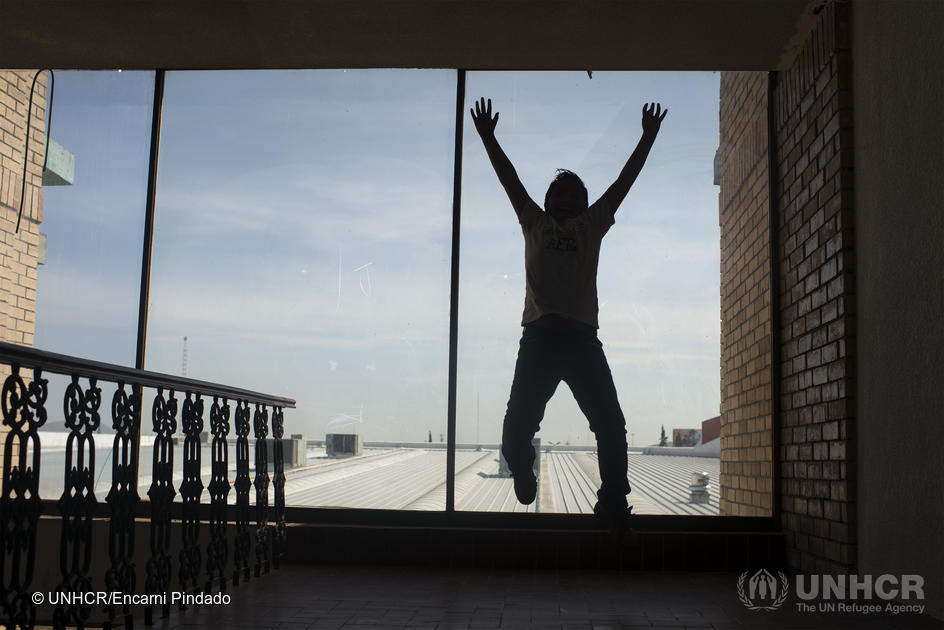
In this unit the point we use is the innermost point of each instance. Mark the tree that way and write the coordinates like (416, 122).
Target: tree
(662, 439)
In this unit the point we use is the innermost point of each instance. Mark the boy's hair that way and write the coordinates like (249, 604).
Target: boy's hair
(562, 175)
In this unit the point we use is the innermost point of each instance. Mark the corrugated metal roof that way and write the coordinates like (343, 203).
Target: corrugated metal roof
(413, 478)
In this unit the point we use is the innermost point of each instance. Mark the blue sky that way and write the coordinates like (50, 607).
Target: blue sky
(303, 237)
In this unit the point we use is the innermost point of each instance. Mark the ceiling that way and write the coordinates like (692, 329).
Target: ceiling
(471, 34)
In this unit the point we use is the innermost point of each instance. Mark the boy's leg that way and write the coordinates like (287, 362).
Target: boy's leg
(536, 378)
(591, 382)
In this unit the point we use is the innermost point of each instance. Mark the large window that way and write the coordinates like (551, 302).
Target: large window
(657, 282)
(302, 247)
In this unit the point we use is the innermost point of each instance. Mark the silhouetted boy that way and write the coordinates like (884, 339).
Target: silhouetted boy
(559, 342)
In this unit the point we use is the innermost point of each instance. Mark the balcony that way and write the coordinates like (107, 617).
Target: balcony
(97, 543)
(381, 347)
(203, 542)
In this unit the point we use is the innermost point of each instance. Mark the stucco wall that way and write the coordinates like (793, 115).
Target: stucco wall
(899, 158)
(484, 34)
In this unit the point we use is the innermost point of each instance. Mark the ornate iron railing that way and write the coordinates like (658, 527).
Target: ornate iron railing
(24, 403)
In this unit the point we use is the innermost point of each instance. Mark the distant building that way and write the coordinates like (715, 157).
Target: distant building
(710, 429)
(686, 437)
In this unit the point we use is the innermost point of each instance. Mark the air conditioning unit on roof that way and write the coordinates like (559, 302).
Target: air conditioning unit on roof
(342, 444)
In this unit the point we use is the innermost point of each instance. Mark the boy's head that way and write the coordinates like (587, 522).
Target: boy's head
(566, 196)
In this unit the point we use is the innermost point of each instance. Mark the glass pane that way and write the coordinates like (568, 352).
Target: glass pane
(302, 248)
(88, 287)
(658, 283)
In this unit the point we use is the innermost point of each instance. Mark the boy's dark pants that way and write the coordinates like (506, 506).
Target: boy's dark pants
(545, 358)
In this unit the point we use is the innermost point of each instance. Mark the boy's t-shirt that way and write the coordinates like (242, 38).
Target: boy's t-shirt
(560, 260)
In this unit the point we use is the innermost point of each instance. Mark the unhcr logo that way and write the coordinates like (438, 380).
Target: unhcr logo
(763, 590)
(834, 593)
(828, 593)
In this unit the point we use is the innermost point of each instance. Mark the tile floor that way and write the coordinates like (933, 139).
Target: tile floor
(342, 598)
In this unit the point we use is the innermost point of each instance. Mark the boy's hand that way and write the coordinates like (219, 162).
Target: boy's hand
(482, 117)
(652, 115)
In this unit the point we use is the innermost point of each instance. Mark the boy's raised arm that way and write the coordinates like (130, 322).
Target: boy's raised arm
(485, 125)
(652, 116)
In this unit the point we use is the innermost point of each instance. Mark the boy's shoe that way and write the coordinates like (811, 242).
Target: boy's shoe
(617, 523)
(526, 486)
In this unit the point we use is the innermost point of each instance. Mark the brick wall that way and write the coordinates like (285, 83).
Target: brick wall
(813, 115)
(19, 251)
(746, 439)
(18, 257)
(816, 341)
